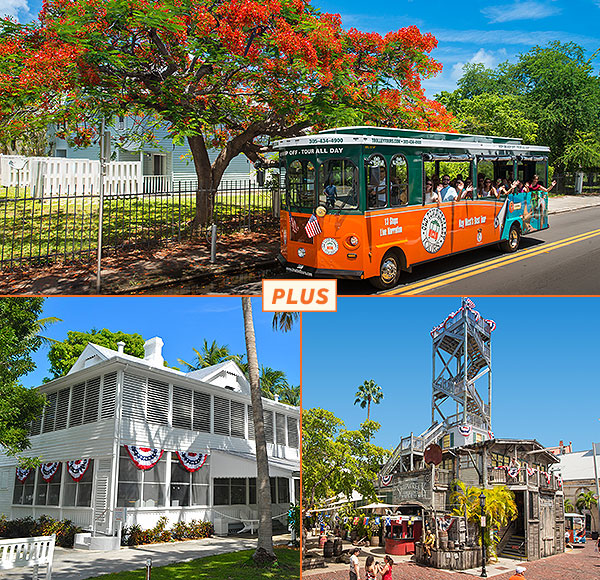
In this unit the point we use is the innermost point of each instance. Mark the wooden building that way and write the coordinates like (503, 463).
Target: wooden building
(124, 438)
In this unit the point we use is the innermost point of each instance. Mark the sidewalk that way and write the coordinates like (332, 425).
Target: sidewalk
(185, 267)
(81, 564)
(575, 564)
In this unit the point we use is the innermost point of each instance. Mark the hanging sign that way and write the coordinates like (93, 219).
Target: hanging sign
(23, 474)
(144, 457)
(192, 461)
(48, 470)
(77, 468)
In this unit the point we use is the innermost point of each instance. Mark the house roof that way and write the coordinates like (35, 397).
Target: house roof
(578, 465)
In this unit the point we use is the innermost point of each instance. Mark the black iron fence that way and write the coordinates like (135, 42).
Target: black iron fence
(63, 225)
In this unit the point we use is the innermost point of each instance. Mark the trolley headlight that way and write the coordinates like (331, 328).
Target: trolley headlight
(301, 252)
(352, 241)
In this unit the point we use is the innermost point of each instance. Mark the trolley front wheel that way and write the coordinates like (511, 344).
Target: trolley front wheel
(389, 271)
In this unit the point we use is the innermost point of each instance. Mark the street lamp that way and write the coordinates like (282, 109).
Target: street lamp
(482, 524)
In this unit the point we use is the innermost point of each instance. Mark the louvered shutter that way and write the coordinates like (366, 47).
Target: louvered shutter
(250, 423)
(109, 395)
(221, 418)
(238, 427)
(182, 407)
(77, 403)
(158, 402)
(292, 429)
(201, 419)
(268, 418)
(280, 428)
(134, 397)
(50, 413)
(92, 400)
(62, 408)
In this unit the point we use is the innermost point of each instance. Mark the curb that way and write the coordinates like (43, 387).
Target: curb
(199, 277)
(568, 209)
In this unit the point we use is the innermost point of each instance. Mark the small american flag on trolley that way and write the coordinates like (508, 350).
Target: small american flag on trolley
(469, 303)
(293, 224)
(312, 226)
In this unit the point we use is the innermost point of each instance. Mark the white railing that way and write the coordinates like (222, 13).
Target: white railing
(55, 175)
(28, 553)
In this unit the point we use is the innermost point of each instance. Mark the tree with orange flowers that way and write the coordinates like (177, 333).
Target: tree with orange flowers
(232, 74)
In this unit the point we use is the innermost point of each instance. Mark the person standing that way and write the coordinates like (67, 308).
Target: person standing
(518, 575)
(386, 568)
(354, 563)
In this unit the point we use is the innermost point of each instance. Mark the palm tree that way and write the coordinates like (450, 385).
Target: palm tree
(209, 356)
(369, 392)
(284, 321)
(264, 548)
(290, 396)
(569, 507)
(272, 382)
(586, 500)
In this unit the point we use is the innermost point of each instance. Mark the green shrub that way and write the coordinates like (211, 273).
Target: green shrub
(65, 530)
(193, 530)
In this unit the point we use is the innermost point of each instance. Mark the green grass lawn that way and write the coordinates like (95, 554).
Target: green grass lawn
(232, 566)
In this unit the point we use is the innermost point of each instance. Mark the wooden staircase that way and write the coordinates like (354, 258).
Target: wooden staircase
(514, 548)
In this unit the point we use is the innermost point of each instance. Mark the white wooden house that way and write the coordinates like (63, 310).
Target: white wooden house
(110, 400)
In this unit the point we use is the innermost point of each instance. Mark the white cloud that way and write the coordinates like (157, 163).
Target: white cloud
(488, 58)
(528, 10)
(510, 37)
(14, 8)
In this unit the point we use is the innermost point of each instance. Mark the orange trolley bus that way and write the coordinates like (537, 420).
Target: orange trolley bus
(358, 203)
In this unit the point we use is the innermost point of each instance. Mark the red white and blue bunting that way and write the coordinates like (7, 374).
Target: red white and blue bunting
(23, 474)
(192, 461)
(513, 471)
(77, 468)
(144, 457)
(490, 434)
(530, 471)
(386, 480)
(48, 470)
(470, 305)
(465, 430)
(559, 480)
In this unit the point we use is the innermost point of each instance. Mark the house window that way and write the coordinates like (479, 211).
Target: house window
(292, 429)
(79, 493)
(48, 493)
(188, 488)
(23, 493)
(234, 491)
(141, 488)
(499, 460)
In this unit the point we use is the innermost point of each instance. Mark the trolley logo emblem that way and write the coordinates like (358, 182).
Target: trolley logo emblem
(329, 246)
(479, 236)
(433, 230)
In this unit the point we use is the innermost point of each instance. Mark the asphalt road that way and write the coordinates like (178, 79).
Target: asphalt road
(563, 260)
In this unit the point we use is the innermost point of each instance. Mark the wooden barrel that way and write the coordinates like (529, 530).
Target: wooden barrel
(328, 549)
(337, 547)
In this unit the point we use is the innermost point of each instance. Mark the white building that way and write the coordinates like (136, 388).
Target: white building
(110, 400)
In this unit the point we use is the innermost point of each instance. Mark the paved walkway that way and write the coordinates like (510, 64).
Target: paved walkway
(575, 564)
(80, 564)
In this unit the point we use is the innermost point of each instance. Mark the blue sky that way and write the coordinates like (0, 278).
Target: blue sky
(467, 31)
(544, 364)
(182, 323)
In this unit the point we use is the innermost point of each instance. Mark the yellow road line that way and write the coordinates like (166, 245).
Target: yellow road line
(462, 273)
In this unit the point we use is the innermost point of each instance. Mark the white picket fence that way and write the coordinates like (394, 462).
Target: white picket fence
(56, 176)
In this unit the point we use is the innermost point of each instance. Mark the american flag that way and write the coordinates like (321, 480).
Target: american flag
(470, 303)
(293, 224)
(312, 226)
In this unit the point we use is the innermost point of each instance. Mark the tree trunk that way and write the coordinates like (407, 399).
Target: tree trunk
(264, 549)
(205, 193)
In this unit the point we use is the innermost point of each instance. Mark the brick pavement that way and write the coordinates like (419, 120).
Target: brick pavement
(576, 564)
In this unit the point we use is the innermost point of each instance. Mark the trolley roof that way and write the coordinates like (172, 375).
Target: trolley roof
(366, 135)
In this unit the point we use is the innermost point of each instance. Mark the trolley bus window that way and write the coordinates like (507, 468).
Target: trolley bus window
(460, 178)
(338, 184)
(300, 181)
(398, 181)
(376, 179)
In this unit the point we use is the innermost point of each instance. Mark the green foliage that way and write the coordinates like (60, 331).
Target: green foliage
(336, 460)
(193, 530)
(210, 355)
(19, 328)
(65, 530)
(64, 354)
(569, 507)
(586, 500)
(550, 96)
